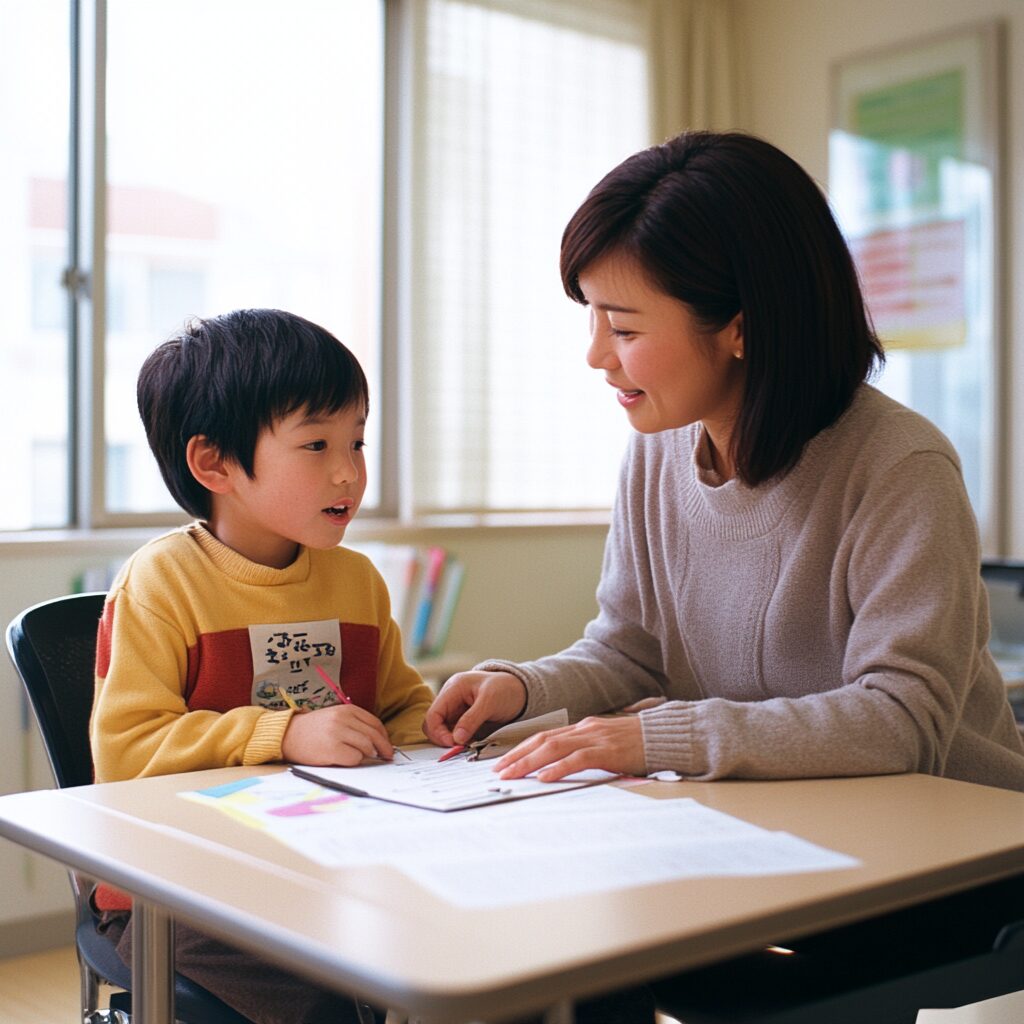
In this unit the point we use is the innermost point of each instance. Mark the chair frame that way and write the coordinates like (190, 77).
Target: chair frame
(66, 743)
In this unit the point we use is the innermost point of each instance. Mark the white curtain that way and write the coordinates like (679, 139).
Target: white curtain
(518, 108)
(696, 79)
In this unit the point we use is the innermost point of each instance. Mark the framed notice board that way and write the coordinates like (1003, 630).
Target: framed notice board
(914, 176)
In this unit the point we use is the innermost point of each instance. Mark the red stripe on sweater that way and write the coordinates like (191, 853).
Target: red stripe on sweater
(103, 633)
(219, 674)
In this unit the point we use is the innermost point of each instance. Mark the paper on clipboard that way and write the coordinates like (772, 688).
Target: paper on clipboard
(452, 785)
(502, 740)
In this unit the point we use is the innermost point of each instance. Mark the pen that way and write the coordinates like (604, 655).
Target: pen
(457, 749)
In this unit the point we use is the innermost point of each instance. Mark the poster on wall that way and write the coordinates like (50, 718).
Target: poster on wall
(914, 180)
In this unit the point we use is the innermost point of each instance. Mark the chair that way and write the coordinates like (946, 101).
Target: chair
(53, 647)
(1004, 579)
(962, 949)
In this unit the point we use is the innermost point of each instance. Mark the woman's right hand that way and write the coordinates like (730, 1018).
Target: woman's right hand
(470, 700)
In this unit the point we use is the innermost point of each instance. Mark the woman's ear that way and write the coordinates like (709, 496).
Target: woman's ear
(207, 465)
(734, 334)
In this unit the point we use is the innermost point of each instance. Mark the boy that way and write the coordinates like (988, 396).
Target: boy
(212, 635)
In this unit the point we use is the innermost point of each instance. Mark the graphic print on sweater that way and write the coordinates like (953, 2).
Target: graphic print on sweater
(285, 657)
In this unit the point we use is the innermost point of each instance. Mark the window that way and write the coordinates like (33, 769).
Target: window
(240, 159)
(520, 109)
(243, 165)
(34, 363)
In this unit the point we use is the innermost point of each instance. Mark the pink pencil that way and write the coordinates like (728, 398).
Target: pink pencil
(345, 700)
(342, 696)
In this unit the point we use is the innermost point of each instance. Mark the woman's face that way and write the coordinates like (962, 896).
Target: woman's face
(667, 372)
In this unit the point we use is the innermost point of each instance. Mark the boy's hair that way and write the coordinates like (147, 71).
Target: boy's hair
(728, 224)
(228, 377)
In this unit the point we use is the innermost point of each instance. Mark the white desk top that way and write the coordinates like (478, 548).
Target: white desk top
(375, 932)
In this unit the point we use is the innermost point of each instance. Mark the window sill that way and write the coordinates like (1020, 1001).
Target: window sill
(117, 539)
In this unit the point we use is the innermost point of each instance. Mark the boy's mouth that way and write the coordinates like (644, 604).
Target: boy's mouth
(337, 510)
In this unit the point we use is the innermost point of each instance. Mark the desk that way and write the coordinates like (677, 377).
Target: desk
(374, 932)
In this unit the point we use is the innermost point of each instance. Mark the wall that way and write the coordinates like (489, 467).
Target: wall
(528, 592)
(790, 47)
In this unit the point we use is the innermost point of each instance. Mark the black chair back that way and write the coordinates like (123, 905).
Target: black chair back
(53, 647)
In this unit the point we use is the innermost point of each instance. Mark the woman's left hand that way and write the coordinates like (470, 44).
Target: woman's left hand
(615, 744)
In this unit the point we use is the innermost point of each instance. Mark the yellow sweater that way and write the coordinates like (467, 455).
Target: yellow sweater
(197, 644)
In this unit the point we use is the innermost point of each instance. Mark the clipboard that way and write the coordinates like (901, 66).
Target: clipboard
(455, 784)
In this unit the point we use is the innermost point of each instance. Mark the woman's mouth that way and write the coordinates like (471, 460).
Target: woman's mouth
(628, 398)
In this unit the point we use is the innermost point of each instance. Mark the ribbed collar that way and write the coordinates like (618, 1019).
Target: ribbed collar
(238, 567)
(732, 510)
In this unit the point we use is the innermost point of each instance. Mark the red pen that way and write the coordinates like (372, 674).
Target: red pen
(457, 749)
(342, 696)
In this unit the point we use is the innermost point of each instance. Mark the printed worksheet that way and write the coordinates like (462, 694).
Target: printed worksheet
(421, 779)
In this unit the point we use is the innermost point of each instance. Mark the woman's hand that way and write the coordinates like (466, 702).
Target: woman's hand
(614, 744)
(340, 734)
(470, 700)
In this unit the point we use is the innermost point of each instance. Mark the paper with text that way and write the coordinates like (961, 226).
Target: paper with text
(452, 785)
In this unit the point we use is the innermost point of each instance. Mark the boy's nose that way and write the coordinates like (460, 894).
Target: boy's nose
(345, 470)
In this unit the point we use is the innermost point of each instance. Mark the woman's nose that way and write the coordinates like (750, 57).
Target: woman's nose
(600, 354)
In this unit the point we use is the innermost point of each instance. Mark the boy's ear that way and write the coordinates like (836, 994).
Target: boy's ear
(207, 464)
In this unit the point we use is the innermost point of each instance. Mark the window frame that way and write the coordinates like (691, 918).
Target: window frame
(85, 275)
(84, 280)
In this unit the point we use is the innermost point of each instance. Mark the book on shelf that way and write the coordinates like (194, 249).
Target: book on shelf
(398, 564)
(432, 562)
(424, 583)
(446, 598)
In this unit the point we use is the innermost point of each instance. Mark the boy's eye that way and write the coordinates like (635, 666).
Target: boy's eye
(316, 446)
(359, 445)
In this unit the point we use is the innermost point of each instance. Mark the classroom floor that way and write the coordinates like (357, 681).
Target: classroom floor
(40, 988)
(43, 989)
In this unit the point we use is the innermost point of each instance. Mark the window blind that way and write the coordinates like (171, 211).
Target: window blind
(519, 109)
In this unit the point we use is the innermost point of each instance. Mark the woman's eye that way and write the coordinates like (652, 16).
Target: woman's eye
(621, 332)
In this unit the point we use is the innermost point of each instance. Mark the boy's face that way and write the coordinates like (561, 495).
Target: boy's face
(309, 478)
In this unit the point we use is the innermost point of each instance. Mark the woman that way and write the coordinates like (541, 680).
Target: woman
(791, 583)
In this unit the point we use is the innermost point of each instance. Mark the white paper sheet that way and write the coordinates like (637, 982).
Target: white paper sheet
(452, 785)
(596, 839)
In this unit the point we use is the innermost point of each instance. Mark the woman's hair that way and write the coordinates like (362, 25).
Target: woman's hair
(728, 224)
(229, 377)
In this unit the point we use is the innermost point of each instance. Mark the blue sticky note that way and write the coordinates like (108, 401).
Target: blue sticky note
(229, 787)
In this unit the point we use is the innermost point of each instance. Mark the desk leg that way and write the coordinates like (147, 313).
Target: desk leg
(152, 965)
(560, 1013)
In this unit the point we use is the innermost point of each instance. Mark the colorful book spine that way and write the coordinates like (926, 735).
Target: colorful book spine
(445, 602)
(433, 566)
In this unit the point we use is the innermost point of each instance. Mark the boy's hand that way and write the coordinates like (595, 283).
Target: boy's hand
(342, 734)
(469, 700)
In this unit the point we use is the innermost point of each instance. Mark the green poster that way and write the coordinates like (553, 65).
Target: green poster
(915, 124)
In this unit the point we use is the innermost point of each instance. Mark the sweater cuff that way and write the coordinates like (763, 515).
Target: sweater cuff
(265, 743)
(671, 742)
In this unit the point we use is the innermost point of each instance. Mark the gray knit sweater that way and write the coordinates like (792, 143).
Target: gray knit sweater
(831, 622)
